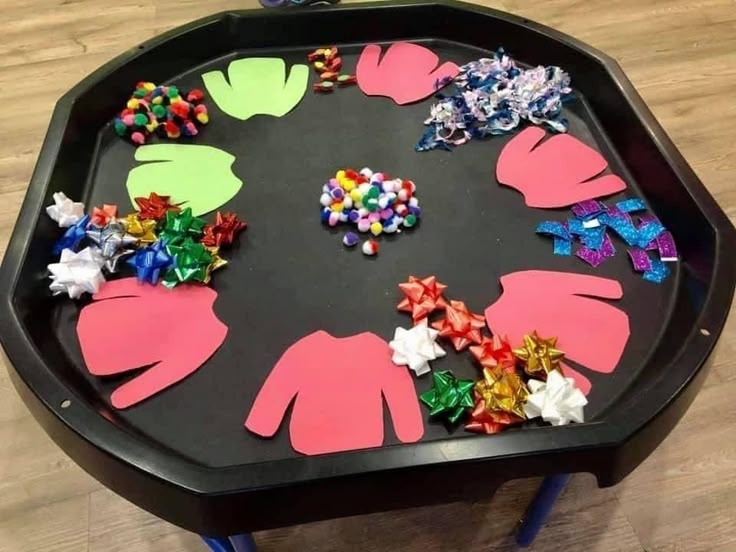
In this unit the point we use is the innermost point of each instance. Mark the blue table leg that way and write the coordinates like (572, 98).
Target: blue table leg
(243, 543)
(237, 543)
(540, 508)
(218, 545)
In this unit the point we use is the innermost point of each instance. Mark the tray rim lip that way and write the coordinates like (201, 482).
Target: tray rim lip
(196, 478)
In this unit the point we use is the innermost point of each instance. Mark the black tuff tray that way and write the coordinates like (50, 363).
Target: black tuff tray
(184, 454)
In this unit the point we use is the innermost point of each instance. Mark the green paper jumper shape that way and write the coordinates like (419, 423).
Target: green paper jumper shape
(258, 86)
(199, 177)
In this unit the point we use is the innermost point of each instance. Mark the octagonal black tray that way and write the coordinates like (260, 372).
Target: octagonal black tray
(184, 454)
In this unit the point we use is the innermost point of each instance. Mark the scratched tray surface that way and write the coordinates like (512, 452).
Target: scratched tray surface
(289, 275)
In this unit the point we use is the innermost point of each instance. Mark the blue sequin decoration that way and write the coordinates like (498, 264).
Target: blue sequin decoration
(631, 205)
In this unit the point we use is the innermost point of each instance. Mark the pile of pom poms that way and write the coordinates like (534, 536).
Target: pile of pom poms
(590, 227)
(517, 383)
(162, 110)
(160, 241)
(492, 96)
(328, 64)
(372, 202)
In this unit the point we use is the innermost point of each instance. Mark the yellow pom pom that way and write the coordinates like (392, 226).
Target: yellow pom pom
(149, 86)
(340, 175)
(355, 195)
(348, 185)
(203, 118)
(337, 207)
(376, 228)
(132, 103)
(157, 100)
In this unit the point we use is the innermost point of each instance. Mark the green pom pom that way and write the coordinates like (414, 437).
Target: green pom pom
(410, 220)
(140, 93)
(159, 111)
(173, 92)
(120, 128)
(140, 119)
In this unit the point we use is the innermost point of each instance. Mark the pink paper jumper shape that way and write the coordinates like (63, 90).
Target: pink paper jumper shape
(407, 73)
(558, 304)
(558, 172)
(131, 325)
(338, 384)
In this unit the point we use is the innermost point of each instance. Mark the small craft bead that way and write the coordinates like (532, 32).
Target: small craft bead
(364, 225)
(376, 228)
(370, 247)
(351, 239)
(325, 199)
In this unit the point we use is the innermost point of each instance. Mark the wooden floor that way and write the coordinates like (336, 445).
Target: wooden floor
(680, 54)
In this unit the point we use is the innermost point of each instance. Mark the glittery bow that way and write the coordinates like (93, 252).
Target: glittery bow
(539, 355)
(155, 207)
(223, 231)
(494, 352)
(460, 326)
(143, 230)
(192, 263)
(422, 297)
(557, 400)
(150, 261)
(484, 421)
(73, 235)
(449, 396)
(101, 216)
(503, 391)
(179, 226)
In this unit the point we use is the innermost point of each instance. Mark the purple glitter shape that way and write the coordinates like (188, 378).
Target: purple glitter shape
(587, 208)
(593, 258)
(666, 245)
(640, 259)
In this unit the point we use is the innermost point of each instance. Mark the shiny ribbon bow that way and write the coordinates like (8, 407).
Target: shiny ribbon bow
(154, 207)
(73, 235)
(150, 261)
(494, 352)
(539, 355)
(422, 297)
(182, 225)
(460, 326)
(449, 396)
(223, 231)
